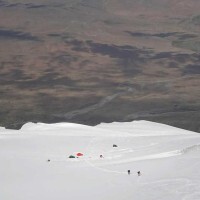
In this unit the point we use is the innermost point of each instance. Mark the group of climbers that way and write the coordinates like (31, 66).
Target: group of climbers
(138, 173)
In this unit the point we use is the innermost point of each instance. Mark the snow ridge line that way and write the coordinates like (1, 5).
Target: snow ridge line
(195, 147)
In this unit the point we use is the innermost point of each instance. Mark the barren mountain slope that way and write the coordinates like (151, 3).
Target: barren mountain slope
(92, 61)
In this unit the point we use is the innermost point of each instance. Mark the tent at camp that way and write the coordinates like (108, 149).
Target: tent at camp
(79, 154)
(71, 156)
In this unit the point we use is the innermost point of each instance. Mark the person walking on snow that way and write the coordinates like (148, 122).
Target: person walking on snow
(129, 172)
(139, 173)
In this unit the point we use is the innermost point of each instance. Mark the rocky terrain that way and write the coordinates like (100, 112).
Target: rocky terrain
(92, 61)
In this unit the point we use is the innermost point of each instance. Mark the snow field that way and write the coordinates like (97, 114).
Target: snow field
(167, 157)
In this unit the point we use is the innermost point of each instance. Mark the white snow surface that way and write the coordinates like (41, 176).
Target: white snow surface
(168, 158)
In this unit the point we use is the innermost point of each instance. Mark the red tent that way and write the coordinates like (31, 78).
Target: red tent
(79, 154)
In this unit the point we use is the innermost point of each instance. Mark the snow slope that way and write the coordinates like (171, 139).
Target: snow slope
(168, 158)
